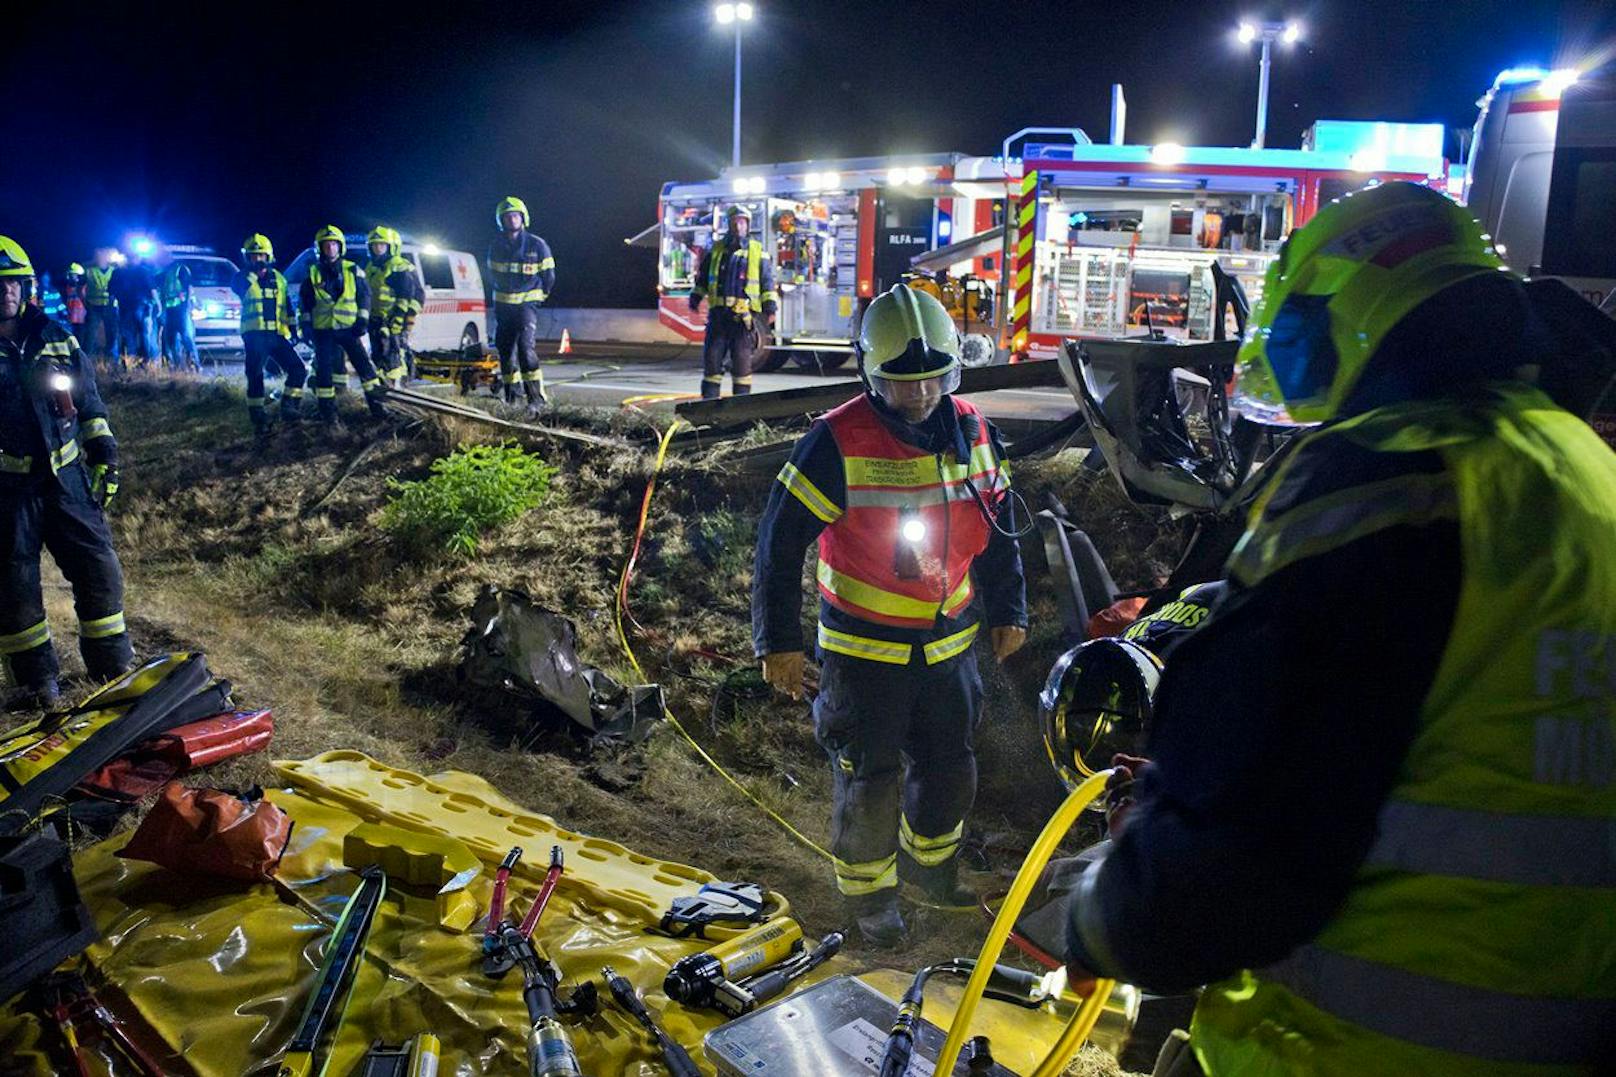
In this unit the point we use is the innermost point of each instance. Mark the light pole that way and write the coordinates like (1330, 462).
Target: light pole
(1266, 32)
(737, 14)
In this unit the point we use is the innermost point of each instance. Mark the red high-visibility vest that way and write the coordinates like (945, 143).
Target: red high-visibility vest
(901, 552)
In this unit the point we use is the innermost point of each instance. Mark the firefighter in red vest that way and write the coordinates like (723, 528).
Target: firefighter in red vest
(905, 489)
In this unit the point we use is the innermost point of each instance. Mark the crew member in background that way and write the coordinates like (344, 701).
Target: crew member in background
(334, 309)
(73, 290)
(179, 331)
(736, 289)
(523, 273)
(266, 332)
(135, 290)
(395, 300)
(903, 488)
(58, 470)
(100, 309)
(1384, 842)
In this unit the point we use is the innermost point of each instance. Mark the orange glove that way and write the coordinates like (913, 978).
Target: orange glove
(784, 671)
(1007, 640)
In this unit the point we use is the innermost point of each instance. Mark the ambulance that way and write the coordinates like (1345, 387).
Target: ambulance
(455, 312)
(1541, 175)
(837, 233)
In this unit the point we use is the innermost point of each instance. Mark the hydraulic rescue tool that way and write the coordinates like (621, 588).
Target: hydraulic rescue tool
(735, 999)
(418, 1058)
(695, 980)
(675, 1057)
(497, 957)
(550, 1052)
(324, 1010)
(1007, 984)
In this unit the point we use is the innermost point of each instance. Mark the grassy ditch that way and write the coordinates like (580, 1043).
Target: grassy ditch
(275, 561)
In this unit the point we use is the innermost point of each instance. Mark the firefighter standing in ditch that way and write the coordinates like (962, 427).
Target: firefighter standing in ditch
(738, 284)
(334, 311)
(901, 486)
(58, 470)
(523, 273)
(1384, 843)
(395, 300)
(266, 332)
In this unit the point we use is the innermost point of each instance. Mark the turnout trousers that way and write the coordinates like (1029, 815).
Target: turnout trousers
(331, 347)
(100, 338)
(729, 342)
(516, 334)
(903, 762)
(386, 351)
(179, 338)
(61, 516)
(264, 348)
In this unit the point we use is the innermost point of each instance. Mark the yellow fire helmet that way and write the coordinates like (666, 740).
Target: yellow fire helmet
(74, 269)
(1341, 283)
(257, 243)
(510, 204)
(14, 261)
(383, 234)
(331, 231)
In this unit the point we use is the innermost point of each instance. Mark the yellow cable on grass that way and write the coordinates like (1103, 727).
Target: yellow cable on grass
(1083, 1020)
(622, 636)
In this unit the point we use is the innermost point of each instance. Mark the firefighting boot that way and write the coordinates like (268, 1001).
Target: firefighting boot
(45, 696)
(508, 384)
(260, 422)
(373, 401)
(536, 398)
(291, 409)
(878, 918)
(939, 886)
(327, 410)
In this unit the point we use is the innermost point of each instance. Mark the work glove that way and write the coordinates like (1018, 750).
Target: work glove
(103, 483)
(1007, 640)
(783, 670)
(695, 302)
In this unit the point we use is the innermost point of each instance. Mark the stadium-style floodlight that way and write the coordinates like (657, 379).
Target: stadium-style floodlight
(1268, 33)
(737, 15)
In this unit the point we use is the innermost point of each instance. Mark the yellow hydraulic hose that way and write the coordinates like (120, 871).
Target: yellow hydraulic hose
(1083, 1020)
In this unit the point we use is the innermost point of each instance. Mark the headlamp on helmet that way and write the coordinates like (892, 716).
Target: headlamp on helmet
(1097, 703)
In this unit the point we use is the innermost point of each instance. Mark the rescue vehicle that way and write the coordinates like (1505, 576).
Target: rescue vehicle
(837, 233)
(215, 309)
(1541, 174)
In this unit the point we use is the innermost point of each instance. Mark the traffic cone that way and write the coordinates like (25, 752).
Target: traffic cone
(566, 343)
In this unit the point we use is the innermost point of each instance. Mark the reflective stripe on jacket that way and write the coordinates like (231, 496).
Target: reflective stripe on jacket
(900, 554)
(387, 301)
(334, 312)
(521, 272)
(98, 286)
(264, 308)
(1480, 934)
(173, 284)
(720, 288)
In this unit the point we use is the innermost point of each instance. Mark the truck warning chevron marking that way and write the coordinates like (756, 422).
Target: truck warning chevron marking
(1021, 264)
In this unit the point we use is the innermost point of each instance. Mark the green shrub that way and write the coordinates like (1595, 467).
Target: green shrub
(470, 492)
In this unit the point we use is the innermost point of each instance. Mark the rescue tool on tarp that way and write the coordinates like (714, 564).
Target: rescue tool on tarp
(323, 1014)
(677, 1059)
(497, 956)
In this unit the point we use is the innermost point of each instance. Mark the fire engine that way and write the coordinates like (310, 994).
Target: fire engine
(837, 234)
(1128, 240)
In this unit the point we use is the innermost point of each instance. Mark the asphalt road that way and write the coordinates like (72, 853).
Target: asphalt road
(607, 374)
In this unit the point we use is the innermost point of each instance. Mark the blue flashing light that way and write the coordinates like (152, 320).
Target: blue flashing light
(945, 228)
(141, 246)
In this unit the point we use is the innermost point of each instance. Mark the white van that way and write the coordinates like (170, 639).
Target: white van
(455, 309)
(1542, 175)
(215, 309)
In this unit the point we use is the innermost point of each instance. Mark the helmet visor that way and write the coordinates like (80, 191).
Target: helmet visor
(916, 396)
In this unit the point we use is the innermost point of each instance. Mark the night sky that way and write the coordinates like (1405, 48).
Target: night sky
(203, 123)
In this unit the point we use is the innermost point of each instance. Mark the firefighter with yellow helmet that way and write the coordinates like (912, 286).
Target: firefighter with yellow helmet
(737, 282)
(58, 471)
(395, 299)
(334, 311)
(523, 273)
(905, 489)
(266, 332)
(1383, 840)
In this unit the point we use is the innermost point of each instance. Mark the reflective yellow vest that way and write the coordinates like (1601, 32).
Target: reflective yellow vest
(382, 299)
(266, 309)
(1480, 936)
(338, 313)
(712, 285)
(98, 287)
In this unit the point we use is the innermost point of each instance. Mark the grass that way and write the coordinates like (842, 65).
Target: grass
(271, 559)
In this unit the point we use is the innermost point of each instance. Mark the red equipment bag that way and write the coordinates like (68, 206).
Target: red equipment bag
(154, 762)
(212, 832)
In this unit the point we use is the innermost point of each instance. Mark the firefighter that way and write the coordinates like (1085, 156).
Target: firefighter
(523, 272)
(179, 331)
(100, 309)
(902, 487)
(736, 289)
(334, 309)
(266, 332)
(1384, 842)
(58, 470)
(395, 300)
(135, 289)
(73, 290)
